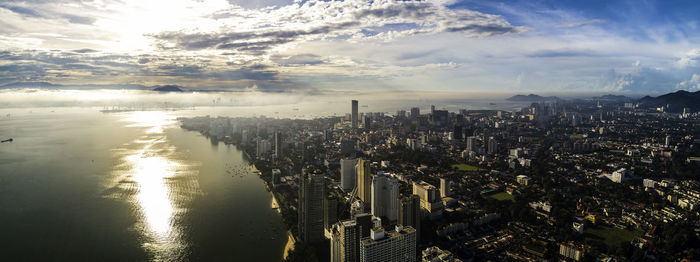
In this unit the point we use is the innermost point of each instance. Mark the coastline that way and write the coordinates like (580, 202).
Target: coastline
(274, 204)
(290, 238)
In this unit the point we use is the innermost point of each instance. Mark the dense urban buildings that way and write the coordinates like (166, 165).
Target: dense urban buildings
(557, 180)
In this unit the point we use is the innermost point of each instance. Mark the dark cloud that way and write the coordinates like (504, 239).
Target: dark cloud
(483, 30)
(245, 74)
(79, 19)
(85, 50)
(242, 41)
(300, 59)
(416, 55)
(416, 11)
(30, 12)
(22, 10)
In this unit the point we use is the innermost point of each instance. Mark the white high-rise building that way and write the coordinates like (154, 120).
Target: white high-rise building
(348, 174)
(392, 246)
(385, 196)
(471, 144)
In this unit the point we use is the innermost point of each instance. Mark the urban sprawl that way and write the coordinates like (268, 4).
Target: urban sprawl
(579, 180)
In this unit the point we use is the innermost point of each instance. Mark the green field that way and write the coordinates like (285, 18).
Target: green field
(502, 196)
(465, 167)
(610, 236)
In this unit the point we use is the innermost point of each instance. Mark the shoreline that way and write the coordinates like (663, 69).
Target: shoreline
(290, 238)
(274, 204)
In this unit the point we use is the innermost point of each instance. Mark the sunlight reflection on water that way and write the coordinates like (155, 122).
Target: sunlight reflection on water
(150, 163)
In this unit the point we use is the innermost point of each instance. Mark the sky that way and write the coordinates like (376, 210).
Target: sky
(527, 46)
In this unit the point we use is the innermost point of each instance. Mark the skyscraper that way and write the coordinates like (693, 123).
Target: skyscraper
(471, 144)
(364, 180)
(457, 132)
(492, 146)
(385, 197)
(348, 174)
(354, 116)
(415, 112)
(409, 213)
(445, 187)
(392, 246)
(345, 240)
(330, 212)
(310, 212)
(278, 145)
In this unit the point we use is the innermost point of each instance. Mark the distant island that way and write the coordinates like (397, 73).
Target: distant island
(168, 88)
(532, 98)
(613, 98)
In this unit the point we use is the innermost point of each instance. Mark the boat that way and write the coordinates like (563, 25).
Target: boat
(7, 140)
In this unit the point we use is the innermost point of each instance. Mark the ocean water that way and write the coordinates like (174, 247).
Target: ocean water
(80, 185)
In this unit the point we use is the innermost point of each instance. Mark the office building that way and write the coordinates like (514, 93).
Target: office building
(571, 251)
(492, 146)
(348, 174)
(276, 177)
(311, 207)
(330, 213)
(445, 187)
(385, 197)
(409, 213)
(430, 201)
(471, 144)
(263, 147)
(401, 113)
(278, 145)
(440, 117)
(392, 246)
(523, 180)
(354, 116)
(415, 112)
(347, 146)
(457, 133)
(364, 180)
(345, 239)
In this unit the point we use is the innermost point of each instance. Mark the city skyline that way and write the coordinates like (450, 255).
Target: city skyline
(646, 47)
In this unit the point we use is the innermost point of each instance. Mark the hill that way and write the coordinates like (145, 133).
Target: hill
(532, 98)
(168, 88)
(676, 101)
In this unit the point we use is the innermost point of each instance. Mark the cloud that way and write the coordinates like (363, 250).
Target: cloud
(692, 84)
(689, 59)
(574, 24)
(641, 79)
(322, 20)
(300, 59)
(566, 52)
